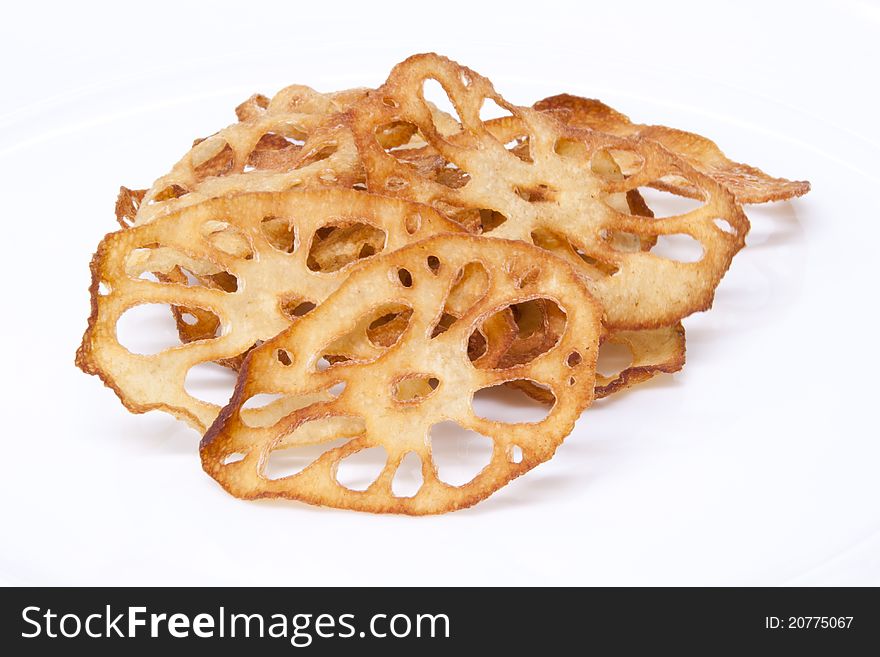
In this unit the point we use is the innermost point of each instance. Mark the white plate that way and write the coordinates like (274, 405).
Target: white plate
(756, 465)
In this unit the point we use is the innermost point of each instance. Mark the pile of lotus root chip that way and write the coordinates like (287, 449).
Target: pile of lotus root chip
(367, 263)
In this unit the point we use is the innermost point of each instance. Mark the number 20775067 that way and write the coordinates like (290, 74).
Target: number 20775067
(808, 622)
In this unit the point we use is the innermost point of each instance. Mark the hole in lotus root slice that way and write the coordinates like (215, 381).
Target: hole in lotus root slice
(147, 329)
(294, 307)
(385, 330)
(666, 204)
(358, 471)
(275, 151)
(490, 110)
(508, 403)
(218, 241)
(540, 193)
(288, 461)
(195, 324)
(651, 352)
(413, 223)
(227, 239)
(280, 232)
(459, 454)
(614, 357)
(491, 341)
(339, 244)
(516, 454)
(403, 142)
(607, 163)
(414, 387)
(212, 157)
(372, 334)
(166, 193)
(479, 222)
(262, 401)
(680, 248)
(725, 226)
(561, 247)
(540, 323)
(631, 202)
(369, 394)
(519, 146)
(748, 184)
(408, 479)
(399, 135)
(316, 154)
(210, 383)
(266, 409)
(405, 277)
(554, 192)
(439, 100)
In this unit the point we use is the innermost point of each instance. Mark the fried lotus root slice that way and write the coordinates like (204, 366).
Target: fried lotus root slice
(262, 284)
(292, 140)
(376, 391)
(749, 184)
(556, 189)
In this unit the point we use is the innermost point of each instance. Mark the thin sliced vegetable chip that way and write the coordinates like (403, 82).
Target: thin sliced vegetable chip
(385, 391)
(289, 141)
(749, 184)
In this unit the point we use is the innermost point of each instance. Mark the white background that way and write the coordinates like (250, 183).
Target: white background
(756, 465)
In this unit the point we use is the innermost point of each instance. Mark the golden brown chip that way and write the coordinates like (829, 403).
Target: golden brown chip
(396, 414)
(556, 188)
(289, 141)
(260, 285)
(749, 184)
